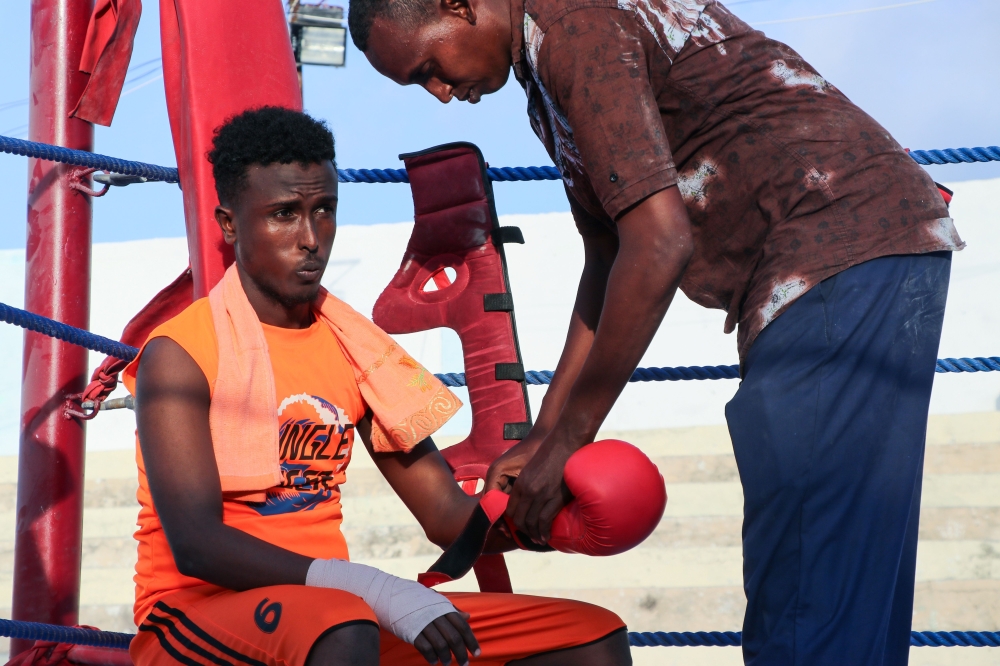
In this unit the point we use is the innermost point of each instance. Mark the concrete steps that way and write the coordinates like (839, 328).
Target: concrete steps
(686, 576)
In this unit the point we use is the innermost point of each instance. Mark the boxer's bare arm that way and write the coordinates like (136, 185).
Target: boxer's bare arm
(172, 403)
(655, 245)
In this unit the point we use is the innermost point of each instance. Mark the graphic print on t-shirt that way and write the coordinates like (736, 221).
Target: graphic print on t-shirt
(314, 440)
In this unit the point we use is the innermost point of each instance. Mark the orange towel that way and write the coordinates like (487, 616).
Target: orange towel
(408, 402)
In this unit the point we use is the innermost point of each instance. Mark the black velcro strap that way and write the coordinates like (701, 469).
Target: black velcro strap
(510, 371)
(508, 235)
(516, 430)
(498, 303)
(458, 558)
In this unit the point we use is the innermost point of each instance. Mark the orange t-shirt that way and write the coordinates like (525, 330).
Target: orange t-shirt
(318, 404)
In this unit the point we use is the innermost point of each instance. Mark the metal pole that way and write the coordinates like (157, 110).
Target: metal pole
(57, 270)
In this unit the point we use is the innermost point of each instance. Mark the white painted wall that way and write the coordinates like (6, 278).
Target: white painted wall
(543, 273)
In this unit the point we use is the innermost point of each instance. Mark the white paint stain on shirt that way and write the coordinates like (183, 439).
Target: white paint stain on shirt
(532, 40)
(797, 77)
(671, 22)
(708, 32)
(782, 294)
(693, 183)
(567, 155)
(944, 230)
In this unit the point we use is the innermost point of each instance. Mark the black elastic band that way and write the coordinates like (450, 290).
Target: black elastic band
(507, 235)
(509, 371)
(498, 303)
(516, 430)
(458, 558)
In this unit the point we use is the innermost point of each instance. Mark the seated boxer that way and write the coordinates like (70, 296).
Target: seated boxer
(247, 407)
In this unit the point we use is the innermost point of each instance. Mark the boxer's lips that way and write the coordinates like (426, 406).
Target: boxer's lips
(309, 272)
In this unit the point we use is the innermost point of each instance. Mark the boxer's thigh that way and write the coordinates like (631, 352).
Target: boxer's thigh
(515, 626)
(267, 626)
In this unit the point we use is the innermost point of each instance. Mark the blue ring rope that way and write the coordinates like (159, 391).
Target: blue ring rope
(65, 332)
(94, 342)
(99, 343)
(84, 158)
(956, 155)
(111, 639)
(36, 631)
(153, 172)
(734, 638)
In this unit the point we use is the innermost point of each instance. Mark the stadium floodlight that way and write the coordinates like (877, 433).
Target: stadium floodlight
(319, 34)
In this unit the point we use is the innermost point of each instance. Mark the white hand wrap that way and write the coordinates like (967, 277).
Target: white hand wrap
(403, 607)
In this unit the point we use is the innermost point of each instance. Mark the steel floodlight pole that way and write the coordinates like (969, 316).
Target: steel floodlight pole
(57, 284)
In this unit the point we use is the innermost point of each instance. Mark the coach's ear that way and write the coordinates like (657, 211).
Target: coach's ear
(462, 9)
(224, 216)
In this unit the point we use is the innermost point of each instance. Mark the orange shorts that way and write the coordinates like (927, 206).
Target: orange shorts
(278, 626)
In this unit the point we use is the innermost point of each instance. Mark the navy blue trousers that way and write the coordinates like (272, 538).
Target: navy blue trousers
(828, 427)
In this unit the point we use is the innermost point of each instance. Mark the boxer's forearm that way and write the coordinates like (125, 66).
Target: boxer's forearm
(655, 246)
(228, 557)
(176, 441)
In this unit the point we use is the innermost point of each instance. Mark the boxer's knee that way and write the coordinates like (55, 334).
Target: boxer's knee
(351, 644)
(612, 650)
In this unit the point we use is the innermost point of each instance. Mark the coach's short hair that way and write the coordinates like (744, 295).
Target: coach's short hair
(265, 135)
(406, 13)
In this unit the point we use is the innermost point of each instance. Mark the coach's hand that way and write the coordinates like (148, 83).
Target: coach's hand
(447, 635)
(540, 492)
(505, 469)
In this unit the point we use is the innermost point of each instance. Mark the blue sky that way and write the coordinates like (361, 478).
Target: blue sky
(925, 70)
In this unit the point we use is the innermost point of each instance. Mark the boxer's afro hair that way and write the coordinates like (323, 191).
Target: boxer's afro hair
(408, 14)
(266, 135)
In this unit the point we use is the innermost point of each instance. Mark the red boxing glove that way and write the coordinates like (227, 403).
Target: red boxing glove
(618, 500)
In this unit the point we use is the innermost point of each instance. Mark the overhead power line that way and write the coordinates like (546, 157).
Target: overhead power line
(847, 13)
(11, 105)
(23, 102)
(142, 85)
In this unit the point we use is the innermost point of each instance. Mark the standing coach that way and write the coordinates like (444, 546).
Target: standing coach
(698, 153)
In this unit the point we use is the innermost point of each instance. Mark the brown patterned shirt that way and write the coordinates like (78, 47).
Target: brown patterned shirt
(785, 180)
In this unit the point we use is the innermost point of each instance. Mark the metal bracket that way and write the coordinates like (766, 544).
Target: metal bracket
(118, 179)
